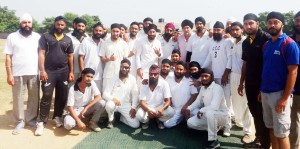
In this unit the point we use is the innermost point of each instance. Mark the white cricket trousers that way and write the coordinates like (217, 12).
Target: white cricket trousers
(143, 117)
(178, 117)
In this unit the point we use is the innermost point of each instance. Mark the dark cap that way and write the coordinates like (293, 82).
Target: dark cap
(276, 15)
(219, 24)
(187, 22)
(250, 16)
(297, 14)
(201, 19)
(148, 19)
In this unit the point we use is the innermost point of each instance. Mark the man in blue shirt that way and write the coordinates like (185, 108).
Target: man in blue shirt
(280, 64)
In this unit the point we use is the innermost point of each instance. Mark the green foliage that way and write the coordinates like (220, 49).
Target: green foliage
(35, 25)
(70, 17)
(91, 20)
(47, 25)
(8, 20)
(288, 28)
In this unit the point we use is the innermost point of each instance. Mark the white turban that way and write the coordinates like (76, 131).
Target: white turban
(231, 19)
(26, 17)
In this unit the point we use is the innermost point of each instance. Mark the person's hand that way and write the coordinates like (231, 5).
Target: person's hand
(140, 73)
(187, 114)
(11, 80)
(159, 113)
(145, 82)
(71, 77)
(81, 115)
(227, 35)
(240, 90)
(157, 51)
(132, 53)
(43, 76)
(132, 113)
(196, 83)
(151, 114)
(117, 102)
(81, 125)
(224, 80)
(183, 109)
(112, 57)
(199, 114)
(280, 106)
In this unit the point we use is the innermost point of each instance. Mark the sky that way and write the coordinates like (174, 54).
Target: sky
(121, 11)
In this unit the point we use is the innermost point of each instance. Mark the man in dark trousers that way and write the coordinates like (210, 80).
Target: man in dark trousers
(251, 77)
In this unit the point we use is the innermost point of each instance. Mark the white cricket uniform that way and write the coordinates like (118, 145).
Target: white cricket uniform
(120, 50)
(212, 104)
(126, 92)
(220, 58)
(167, 47)
(182, 44)
(132, 47)
(199, 46)
(79, 101)
(145, 55)
(181, 93)
(240, 107)
(90, 50)
(155, 100)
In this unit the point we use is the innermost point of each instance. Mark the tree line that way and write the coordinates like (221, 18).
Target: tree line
(9, 22)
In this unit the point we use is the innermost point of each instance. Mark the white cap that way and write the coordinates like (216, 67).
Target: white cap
(231, 19)
(26, 17)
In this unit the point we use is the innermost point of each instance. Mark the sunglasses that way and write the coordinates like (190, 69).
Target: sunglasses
(124, 67)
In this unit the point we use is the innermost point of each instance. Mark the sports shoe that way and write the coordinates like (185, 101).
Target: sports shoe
(95, 127)
(247, 138)
(57, 121)
(145, 125)
(39, 129)
(110, 125)
(161, 125)
(18, 128)
(226, 132)
(212, 144)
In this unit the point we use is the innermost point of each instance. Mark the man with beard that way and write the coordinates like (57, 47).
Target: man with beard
(112, 52)
(281, 60)
(213, 112)
(84, 99)
(21, 65)
(155, 100)
(105, 35)
(146, 22)
(197, 46)
(251, 77)
(133, 30)
(121, 95)
(183, 95)
(219, 57)
(167, 43)
(77, 37)
(89, 51)
(182, 40)
(56, 70)
(148, 53)
(243, 117)
(194, 72)
(295, 124)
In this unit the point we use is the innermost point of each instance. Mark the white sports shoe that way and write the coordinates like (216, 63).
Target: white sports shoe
(57, 121)
(226, 132)
(39, 129)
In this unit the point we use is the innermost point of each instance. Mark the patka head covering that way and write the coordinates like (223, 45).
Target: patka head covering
(115, 25)
(231, 19)
(170, 25)
(154, 69)
(297, 14)
(276, 15)
(219, 24)
(79, 20)
(88, 70)
(206, 70)
(26, 17)
(201, 19)
(187, 22)
(148, 19)
(152, 26)
(250, 16)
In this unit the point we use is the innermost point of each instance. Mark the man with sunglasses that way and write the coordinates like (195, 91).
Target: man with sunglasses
(121, 95)
(155, 100)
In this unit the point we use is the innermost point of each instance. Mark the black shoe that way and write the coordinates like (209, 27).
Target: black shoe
(254, 144)
(212, 144)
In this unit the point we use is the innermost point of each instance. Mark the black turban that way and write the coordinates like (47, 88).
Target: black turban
(201, 19)
(219, 24)
(250, 16)
(148, 19)
(276, 15)
(187, 23)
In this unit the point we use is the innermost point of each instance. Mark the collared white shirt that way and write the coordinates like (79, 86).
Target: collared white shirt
(145, 55)
(219, 56)
(156, 97)
(24, 51)
(182, 44)
(126, 92)
(210, 99)
(119, 49)
(181, 92)
(199, 46)
(79, 99)
(90, 50)
(132, 47)
(167, 47)
(237, 51)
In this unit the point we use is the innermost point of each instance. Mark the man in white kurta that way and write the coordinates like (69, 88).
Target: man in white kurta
(213, 112)
(183, 94)
(89, 54)
(112, 52)
(84, 99)
(133, 30)
(167, 42)
(243, 117)
(219, 58)
(121, 95)
(154, 100)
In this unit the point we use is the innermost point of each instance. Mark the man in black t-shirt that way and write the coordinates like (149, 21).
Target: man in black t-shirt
(56, 70)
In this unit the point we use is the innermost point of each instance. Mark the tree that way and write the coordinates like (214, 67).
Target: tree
(47, 25)
(288, 27)
(91, 20)
(9, 22)
(70, 17)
